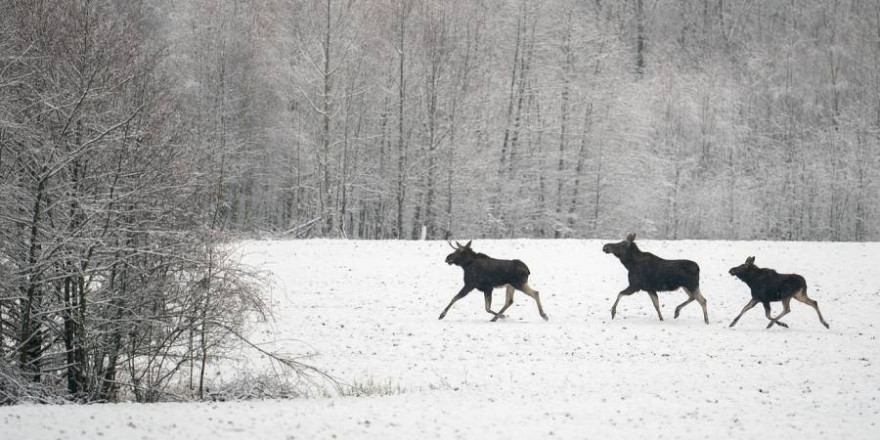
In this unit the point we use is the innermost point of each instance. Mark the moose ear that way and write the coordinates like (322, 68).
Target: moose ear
(631, 237)
(468, 245)
(750, 260)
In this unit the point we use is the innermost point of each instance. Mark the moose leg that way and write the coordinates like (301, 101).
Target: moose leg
(487, 294)
(752, 303)
(681, 306)
(508, 301)
(536, 296)
(785, 309)
(702, 300)
(625, 292)
(656, 302)
(767, 312)
(461, 294)
(801, 296)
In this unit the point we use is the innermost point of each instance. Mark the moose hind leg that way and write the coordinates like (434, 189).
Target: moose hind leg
(801, 296)
(537, 297)
(688, 301)
(508, 301)
(656, 302)
(702, 300)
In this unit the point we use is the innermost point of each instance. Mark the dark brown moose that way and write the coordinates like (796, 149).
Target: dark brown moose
(484, 273)
(653, 274)
(769, 286)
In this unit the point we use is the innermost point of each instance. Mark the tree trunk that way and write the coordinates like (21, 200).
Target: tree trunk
(579, 168)
(401, 143)
(567, 60)
(520, 26)
(326, 202)
(31, 340)
(640, 38)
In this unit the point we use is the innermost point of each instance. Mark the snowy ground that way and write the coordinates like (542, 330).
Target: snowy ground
(370, 311)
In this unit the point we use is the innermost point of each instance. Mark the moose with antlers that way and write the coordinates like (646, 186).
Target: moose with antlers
(485, 273)
(653, 274)
(769, 286)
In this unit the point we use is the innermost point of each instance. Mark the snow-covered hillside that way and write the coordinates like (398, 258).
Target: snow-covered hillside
(368, 310)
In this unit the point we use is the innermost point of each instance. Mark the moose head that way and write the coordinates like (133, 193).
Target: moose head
(620, 249)
(744, 268)
(462, 255)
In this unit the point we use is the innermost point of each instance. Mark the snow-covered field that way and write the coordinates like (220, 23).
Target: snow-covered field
(369, 310)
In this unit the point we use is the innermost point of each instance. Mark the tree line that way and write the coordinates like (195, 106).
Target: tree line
(525, 118)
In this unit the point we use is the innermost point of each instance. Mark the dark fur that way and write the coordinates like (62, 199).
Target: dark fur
(485, 273)
(653, 274)
(768, 286)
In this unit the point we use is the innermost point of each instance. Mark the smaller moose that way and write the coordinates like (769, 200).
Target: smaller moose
(653, 274)
(769, 286)
(484, 273)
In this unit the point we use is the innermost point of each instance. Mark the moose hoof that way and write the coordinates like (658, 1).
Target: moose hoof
(441, 316)
(546, 318)
(676, 315)
(826, 325)
(613, 312)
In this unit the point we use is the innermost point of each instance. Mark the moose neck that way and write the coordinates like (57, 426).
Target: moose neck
(749, 275)
(629, 256)
(467, 260)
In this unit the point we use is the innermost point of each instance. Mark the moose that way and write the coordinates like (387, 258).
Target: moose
(484, 273)
(768, 286)
(653, 274)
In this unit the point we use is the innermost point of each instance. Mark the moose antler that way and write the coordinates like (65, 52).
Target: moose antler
(458, 245)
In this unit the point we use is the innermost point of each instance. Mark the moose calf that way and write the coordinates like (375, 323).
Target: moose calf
(653, 274)
(484, 273)
(769, 286)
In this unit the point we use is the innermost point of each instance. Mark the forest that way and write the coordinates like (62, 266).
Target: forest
(138, 138)
(680, 119)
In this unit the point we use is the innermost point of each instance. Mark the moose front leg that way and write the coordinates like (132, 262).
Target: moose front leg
(487, 294)
(748, 306)
(785, 309)
(508, 300)
(461, 294)
(656, 302)
(625, 292)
